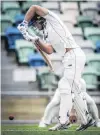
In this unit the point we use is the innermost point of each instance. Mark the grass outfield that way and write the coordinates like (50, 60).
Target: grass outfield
(34, 130)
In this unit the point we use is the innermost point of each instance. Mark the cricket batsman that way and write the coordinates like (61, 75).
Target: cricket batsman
(57, 37)
(52, 109)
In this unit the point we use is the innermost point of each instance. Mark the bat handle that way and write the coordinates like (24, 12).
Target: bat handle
(52, 70)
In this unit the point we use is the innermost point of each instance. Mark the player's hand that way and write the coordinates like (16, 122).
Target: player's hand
(25, 33)
(30, 38)
(73, 118)
(23, 27)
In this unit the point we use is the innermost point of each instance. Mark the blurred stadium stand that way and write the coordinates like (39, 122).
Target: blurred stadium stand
(26, 97)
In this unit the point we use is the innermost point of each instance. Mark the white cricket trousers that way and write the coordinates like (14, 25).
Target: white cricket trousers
(73, 63)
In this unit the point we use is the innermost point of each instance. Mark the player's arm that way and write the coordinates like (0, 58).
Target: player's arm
(29, 15)
(46, 47)
(34, 9)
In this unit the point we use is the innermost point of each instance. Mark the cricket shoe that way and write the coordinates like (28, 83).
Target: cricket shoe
(42, 124)
(60, 126)
(83, 127)
(97, 123)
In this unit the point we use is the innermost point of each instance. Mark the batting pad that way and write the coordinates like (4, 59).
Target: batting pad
(81, 108)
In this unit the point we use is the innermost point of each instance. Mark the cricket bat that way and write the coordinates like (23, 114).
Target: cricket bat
(44, 55)
(46, 58)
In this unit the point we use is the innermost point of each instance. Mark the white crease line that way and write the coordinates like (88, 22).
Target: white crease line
(47, 130)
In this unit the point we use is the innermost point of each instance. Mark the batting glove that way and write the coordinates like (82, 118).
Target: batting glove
(29, 37)
(23, 27)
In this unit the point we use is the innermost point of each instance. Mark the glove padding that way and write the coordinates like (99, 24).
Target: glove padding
(23, 26)
(30, 38)
(23, 29)
(73, 118)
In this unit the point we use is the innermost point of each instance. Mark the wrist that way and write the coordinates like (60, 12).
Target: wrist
(37, 39)
(25, 22)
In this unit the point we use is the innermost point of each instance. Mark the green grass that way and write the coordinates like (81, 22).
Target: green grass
(34, 130)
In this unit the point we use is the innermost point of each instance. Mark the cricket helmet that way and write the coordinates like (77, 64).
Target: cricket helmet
(38, 19)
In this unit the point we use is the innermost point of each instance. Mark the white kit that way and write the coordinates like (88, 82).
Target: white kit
(73, 62)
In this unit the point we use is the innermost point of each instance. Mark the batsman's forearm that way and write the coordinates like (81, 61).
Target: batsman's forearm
(46, 48)
(30, 13)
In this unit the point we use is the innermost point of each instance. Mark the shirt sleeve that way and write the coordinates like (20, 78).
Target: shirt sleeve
(57, 25)
(51, 16)
(58, 29)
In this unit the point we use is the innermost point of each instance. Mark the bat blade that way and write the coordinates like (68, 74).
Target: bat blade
(47, 59)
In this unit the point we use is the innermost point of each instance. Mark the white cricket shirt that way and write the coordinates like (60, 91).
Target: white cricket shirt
(58, 34)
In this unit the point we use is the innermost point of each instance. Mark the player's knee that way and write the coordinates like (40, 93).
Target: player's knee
(91, 102)
(64, 86)
(55, 102)
(83, 85)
